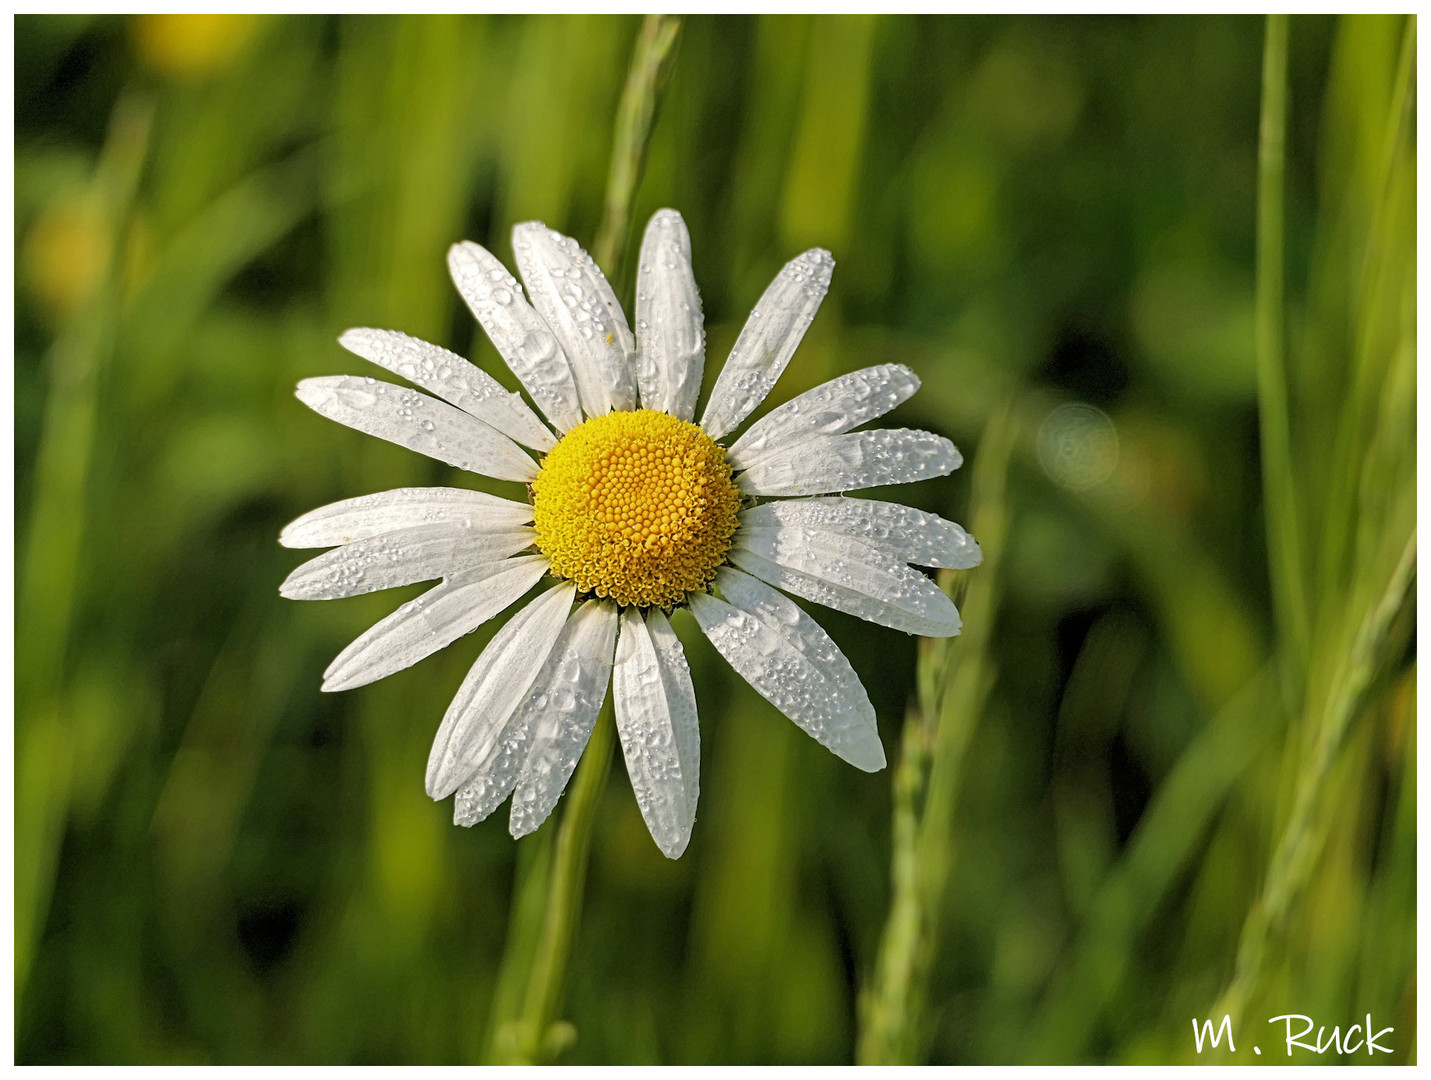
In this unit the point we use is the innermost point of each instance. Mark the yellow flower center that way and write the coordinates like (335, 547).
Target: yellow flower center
(635, 506)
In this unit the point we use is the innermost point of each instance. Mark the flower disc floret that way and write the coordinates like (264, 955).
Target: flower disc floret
(635, 506)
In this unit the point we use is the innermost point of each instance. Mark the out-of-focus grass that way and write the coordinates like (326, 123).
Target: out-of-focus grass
(1168, 796)
(1350, 608)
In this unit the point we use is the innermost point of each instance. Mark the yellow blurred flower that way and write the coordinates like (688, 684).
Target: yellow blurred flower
(66, 253)
(191, 46)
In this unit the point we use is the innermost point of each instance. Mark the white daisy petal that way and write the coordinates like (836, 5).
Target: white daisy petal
(561, 711)
(419, 423)
(470, 740)
(369, 515)
(670, 333)
(768, 341)
(402, 557)
(792, 663)
(519, 334)
(437, 618)
(540, 730)
(829, 409)
(847, 575)
(656, 719)
(823, 463)
(494, 780)
(904, 532)
(453, 379)
(570, 292)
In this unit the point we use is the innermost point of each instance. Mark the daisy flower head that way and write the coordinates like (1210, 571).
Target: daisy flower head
(632, 509)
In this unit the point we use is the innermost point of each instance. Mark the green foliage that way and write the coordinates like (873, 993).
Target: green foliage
(1169, 769)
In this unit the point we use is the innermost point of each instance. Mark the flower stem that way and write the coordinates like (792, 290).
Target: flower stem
(535, 1035)
(540, 1039)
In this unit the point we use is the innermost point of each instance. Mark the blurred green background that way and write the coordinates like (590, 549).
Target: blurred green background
(215, 862)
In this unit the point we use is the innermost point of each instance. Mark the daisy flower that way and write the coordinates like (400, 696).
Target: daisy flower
(633, 509)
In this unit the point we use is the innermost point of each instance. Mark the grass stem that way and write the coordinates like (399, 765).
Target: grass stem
(635, 117)
(1284, 540)
(954, 678)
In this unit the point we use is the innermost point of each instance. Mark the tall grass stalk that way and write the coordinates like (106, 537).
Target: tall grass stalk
(534, 1035)
(953, 679)
(651, 65)
(1284, 540)
(1365, 538)
(1301, 839)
